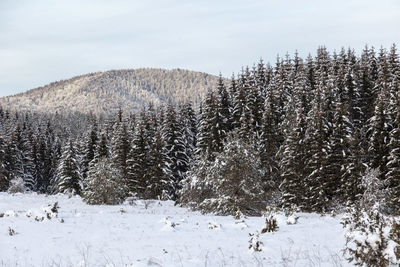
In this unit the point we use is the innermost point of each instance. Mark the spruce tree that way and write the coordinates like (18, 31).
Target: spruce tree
(379, 137)
(231, 183)
(68, 178)
(158, 171)
(337, 161)
(189, 121)
(292, 164)
(317, 147)
(172, 134)
(119, 150)
(102, 185)
(269, 146)
(239, 109)
(4, 182)
(137, 163)
(393, 165)
(90, 147)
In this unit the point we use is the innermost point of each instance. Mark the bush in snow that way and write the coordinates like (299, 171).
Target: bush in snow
(371, 239)
(17, 185)
(292, 219)
(11, 231)
(374, 190)
(103, 185)
(271, 225)
(254, 243)
(231, 183)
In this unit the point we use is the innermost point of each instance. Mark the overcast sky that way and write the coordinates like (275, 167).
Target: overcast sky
(46, 40)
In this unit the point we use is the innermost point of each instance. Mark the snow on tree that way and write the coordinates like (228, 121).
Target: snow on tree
(393, 165)
(4, 183)
(172, 133)
(378, 150)
(338, 155)
(68, 178)
(158, 171)
(17, 185)
(103, 184)
(137, 163)
(234, 180)
(120, 146)
(292, 164)
(90, 147)
(372, 239)
(189, 122)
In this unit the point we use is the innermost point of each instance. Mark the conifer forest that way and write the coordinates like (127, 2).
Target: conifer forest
(300, 134)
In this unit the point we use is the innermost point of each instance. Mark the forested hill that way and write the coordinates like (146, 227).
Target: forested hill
(106, 92)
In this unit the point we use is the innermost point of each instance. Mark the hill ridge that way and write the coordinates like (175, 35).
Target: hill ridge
(106, 91)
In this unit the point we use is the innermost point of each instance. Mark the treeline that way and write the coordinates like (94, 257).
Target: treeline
(301, 134)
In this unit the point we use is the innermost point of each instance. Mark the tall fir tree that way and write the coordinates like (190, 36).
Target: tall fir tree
(137, 163)
(294, 158)
(172, 134)
(90, 147)
(68, 178)
(119, 150)
(393, 165)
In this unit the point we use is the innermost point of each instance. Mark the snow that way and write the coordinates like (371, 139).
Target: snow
(157, 233)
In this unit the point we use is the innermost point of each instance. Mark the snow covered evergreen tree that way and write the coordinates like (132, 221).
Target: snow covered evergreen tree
(158, 171)
(90, 148)
(317, 147)
(172, 133)
(4, 183)
(232, 182)
(393, 165)
(137, 163)
(103, 183)
(68, 178)
(379, 137)
(119, 149)
(294, 158)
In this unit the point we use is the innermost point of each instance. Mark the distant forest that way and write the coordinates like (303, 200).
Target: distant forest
(314, 134)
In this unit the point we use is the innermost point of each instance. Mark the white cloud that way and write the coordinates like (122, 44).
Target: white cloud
(42, 41)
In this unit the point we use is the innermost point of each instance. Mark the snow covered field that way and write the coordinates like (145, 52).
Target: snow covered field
(154, 233)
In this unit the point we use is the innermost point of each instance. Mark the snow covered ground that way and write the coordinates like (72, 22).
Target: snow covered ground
(154, 233)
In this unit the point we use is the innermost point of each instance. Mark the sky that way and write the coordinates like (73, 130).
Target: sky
(43, 41)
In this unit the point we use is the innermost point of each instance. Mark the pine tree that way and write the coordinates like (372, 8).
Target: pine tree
(255, 103)
(337, 161)
(158, 170)
(102, 149)
(90, 147)
(239, 110)
(68, 178)
(137, 163)
(292, 164)
(269, 146)
(223, 107)
(393, 165)
(103, 183)
(189, 121)
(119, 150)
(23, 154)
(4, 182)
(172, 134)
(235, 178)
(379, 136)
(317, 146)
(211, 135)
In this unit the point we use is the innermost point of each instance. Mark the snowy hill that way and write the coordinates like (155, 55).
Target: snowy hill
(105, 92)
(155, 233)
